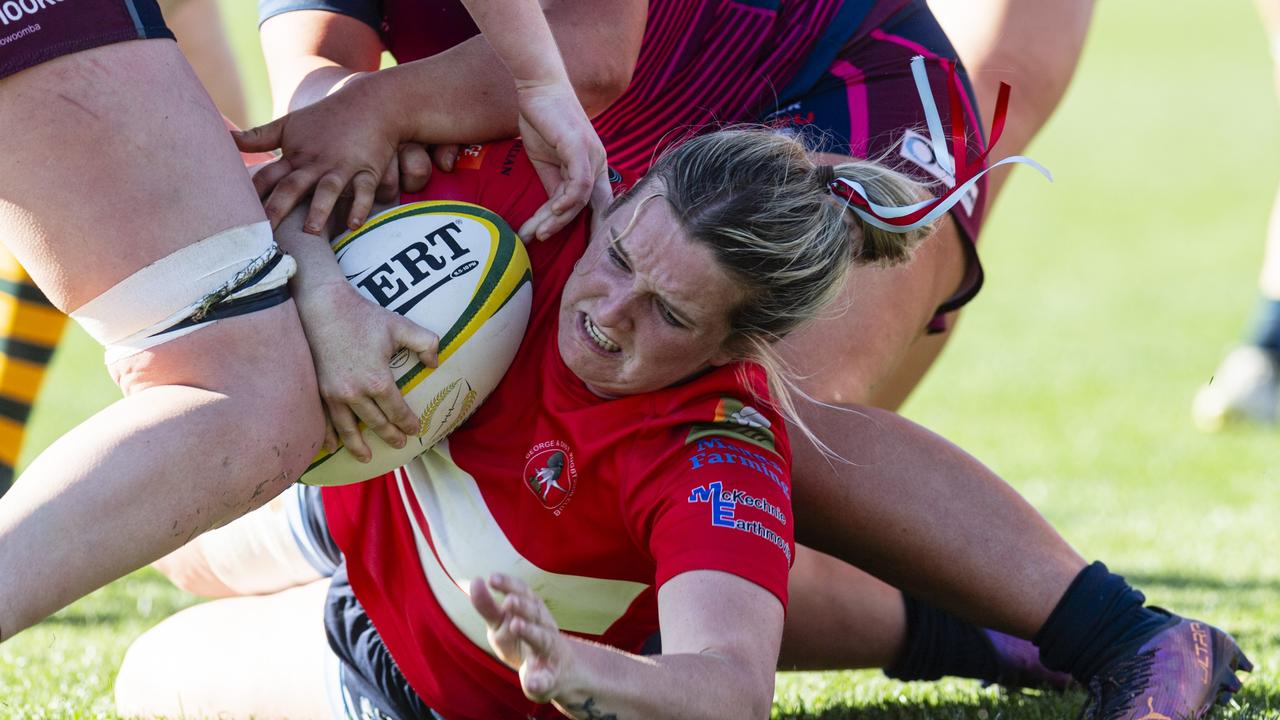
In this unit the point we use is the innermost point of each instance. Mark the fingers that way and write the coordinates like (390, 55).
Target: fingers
(417, 339)
(348, 430)
(330, 435)
(370, 411)
(415, 167)
(263, 138)
(601, 199)
(482, 600)
(389, 185)
(364, 186)
(268, 175)
(445, 157)
(287, 193)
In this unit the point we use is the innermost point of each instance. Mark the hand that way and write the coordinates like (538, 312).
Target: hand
(524, 635)
(407, 172)
(565, 151)
(352, 342)
(346, 140)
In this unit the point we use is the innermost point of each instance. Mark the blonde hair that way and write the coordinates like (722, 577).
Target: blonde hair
(768, 214)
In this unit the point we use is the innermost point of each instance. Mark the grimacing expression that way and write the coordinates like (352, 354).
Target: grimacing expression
(645, 307)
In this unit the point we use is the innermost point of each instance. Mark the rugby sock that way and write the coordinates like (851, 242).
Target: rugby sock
(939, 644)
(1098, 619)
(1265, 331)
(29, 331)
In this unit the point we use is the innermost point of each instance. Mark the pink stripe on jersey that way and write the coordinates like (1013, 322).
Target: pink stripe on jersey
(856, 90)
(971, 116)
(709, 61)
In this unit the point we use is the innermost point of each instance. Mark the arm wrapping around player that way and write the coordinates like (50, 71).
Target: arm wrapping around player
(720, 637)
(462, 95)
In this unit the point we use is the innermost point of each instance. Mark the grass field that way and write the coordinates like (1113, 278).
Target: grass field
(1110, 297)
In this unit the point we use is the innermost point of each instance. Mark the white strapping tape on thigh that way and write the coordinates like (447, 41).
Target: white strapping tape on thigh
(133, 315)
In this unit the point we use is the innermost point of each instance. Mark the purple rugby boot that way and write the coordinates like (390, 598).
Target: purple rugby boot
(1177, 673)
(1018, 665)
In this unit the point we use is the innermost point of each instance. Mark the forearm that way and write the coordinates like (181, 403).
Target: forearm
(464, 94)
(317, 266)
(609, 683)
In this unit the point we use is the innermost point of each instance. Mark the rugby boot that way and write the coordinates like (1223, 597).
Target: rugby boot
(1018, 665)
(1177, 673)
(1245, 389)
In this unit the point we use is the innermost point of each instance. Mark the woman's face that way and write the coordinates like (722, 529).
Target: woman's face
(645, 307)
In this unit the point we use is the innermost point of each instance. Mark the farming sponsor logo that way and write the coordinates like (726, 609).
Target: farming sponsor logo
(724, 512)
(917, 149)
(1152, 714)
(712, 451)
(550, 474)
(12, 11)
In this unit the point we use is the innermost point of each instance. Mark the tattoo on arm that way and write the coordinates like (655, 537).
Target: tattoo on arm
(590, 711)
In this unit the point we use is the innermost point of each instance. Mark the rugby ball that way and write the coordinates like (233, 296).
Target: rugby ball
(458, 270)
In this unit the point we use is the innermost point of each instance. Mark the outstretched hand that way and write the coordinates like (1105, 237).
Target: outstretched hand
(566, 152)
(335, 146)
(524, 635)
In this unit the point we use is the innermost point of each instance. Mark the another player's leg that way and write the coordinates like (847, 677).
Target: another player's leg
(202, 37)
(124, 162)
(1246, 386)
(926, 517)
(29, 331)
(264, 656)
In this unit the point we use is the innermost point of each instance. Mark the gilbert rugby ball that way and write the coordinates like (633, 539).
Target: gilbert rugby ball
(458, 270)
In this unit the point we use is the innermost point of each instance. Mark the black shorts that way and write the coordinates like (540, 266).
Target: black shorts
(36, 31)
(371, 684)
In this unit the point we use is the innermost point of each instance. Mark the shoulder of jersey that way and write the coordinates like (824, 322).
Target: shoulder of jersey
(458, 270)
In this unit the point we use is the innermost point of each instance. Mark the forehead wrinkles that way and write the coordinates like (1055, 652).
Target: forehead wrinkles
(668, 264)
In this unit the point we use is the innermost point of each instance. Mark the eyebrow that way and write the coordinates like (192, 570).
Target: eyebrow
(615, 241)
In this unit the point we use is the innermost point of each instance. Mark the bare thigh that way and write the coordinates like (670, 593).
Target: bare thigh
(870, 348)
(262, 657)
(116, 158)
(839, 617)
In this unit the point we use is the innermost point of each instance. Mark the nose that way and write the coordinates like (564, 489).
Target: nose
(613, 310)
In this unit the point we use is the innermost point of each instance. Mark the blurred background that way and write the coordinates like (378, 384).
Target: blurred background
(1111, 295)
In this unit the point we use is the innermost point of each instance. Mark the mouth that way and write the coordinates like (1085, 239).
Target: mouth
(596, 337)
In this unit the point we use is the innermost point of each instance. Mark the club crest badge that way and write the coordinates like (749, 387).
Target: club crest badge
(550, 474)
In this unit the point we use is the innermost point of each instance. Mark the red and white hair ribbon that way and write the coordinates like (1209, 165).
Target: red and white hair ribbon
(910, 217)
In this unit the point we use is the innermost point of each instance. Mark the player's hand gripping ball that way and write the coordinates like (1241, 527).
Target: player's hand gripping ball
(459, 271)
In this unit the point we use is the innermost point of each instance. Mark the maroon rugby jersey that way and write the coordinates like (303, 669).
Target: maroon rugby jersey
(701, 62)
(595, 503)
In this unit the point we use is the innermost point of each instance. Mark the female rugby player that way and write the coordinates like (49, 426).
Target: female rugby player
(417, 533)
(631, 466)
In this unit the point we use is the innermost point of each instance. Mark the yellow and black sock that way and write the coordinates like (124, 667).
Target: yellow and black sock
(29, 331)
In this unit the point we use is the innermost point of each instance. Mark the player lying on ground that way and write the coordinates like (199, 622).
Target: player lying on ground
(1099, 605)
(593, 473)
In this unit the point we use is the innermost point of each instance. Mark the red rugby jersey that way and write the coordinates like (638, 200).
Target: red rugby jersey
(593, 502)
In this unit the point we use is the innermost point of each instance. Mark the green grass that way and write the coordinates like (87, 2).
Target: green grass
(1111, 295)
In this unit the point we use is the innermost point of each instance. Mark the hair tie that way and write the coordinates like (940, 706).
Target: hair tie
(826, 175)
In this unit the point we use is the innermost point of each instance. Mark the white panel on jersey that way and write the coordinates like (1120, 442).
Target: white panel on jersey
(469, 543)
